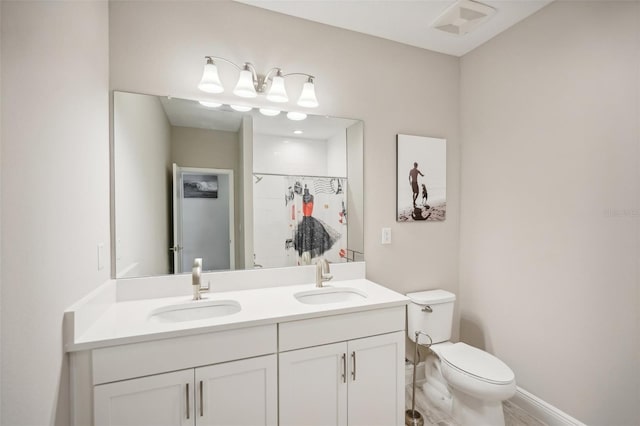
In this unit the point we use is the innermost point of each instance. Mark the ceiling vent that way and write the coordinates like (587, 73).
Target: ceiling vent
(463, 17)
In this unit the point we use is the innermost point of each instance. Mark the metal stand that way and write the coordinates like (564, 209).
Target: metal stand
(413, 417)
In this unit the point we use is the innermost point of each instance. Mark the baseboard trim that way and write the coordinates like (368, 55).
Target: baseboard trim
(542, 410)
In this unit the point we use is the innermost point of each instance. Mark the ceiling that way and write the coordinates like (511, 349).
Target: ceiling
(405, 21)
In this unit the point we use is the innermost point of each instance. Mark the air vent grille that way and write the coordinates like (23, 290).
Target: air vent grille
(463, 17)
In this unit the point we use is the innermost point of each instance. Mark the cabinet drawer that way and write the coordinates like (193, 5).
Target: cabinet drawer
(142, 359)
(338, 328)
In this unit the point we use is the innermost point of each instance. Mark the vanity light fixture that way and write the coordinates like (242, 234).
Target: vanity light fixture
(250, 83)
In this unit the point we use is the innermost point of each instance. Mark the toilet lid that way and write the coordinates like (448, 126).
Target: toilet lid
(477, 363)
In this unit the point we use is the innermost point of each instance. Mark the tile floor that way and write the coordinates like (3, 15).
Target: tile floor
(514, 415)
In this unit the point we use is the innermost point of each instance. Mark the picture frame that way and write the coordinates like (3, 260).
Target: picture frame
(421, 178)
(200, 186)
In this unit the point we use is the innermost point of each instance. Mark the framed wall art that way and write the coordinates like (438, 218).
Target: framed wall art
(421, 178)
(200, 186)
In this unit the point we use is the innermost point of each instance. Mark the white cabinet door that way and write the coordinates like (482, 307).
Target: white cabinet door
(238, 393)
(376, 380)
(313, 386)
(160, 400)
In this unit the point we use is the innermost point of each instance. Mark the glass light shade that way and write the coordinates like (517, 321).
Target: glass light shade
(269, 112)
(296, 116)
(241, 108)
(210, 82)
(210, 104)
(245, 88)
(277, 92)
(308, 96)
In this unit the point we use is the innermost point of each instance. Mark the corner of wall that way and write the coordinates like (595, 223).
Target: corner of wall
(1, 211)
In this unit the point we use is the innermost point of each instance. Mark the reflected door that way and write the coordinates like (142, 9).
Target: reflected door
(203, 218)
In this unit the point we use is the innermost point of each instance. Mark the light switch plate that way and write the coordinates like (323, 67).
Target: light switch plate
(386, 236)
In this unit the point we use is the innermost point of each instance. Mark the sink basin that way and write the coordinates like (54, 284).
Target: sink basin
(193, 311)
(327, 295)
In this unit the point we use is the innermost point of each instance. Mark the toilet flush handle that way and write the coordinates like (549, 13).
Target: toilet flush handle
(427, 308)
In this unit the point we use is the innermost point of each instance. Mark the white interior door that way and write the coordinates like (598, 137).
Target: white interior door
(203, 218)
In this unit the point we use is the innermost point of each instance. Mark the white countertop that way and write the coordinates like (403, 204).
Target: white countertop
(126, 322)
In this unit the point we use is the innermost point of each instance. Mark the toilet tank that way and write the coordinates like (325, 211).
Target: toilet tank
(431, 312)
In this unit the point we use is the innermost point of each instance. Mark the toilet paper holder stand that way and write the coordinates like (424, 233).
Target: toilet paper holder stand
(413, 417)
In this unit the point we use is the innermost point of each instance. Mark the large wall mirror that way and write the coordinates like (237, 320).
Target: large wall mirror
(240, 190)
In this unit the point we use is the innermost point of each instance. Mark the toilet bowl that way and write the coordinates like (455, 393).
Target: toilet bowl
(476, 381)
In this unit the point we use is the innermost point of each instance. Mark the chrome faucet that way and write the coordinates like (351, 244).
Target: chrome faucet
(322, 272)
(196, 277)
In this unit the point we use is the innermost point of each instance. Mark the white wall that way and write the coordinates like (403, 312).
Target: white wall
(142, 163)
(289, 156)
(337, 155)
(355, 192)
(54, 194)
(551, 192)
(245, 135)
(175, 36)
(1, 213)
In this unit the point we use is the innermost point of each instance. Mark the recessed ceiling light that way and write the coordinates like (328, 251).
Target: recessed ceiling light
(298, 132)
(296, 116)
(241, 108)
(210, 104)
(269, 112)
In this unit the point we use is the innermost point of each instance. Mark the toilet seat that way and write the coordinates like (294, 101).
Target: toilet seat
(476, 363)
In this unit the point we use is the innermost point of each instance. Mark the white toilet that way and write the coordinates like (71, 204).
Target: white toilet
(464, 381)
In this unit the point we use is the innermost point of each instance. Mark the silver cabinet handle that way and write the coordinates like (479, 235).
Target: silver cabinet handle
(188, 401)
(201, 398)
(344, 368)
(353, 371)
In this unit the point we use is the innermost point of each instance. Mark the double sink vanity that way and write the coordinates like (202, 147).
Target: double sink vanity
(260, 348)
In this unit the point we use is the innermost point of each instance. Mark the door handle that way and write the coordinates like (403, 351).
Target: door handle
(353, 371)
(201, 399)
(176, 248)
(188, 410)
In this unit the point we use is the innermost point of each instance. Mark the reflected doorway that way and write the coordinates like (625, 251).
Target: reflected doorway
(203, 218)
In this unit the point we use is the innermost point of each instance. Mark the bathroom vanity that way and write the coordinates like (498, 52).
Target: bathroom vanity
(291, 354)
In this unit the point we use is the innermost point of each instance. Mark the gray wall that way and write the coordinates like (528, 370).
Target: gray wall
(550, 189)
(54, 194)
